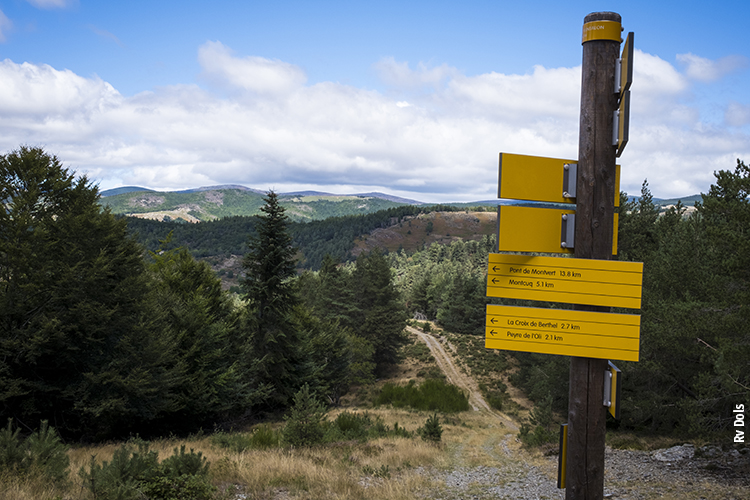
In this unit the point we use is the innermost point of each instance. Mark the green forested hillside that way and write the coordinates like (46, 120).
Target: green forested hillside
(219, 203)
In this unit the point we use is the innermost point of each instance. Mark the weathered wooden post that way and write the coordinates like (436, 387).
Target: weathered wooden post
(593, 240)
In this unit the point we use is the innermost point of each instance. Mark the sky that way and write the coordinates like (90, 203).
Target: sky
(410, 98)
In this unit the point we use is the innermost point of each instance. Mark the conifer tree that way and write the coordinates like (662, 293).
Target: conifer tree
(381, 315)
(77, 345)
(269, 267)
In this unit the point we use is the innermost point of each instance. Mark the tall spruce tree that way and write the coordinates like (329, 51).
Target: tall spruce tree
(269, 267)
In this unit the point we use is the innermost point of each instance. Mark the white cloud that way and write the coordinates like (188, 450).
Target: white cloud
(277, 132)
(737, 114)
(252, 73)
(28, 89)
(705, 70)
(5, 25)
(399, 74)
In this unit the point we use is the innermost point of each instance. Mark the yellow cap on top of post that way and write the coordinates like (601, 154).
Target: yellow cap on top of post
(602, 30)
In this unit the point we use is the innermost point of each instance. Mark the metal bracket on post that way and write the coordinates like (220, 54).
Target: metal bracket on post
(616, 128)
(570, 179)
(568, 231)
(607, 389)
(618, 76)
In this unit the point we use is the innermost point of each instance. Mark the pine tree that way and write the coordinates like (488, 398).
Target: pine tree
(269, 288)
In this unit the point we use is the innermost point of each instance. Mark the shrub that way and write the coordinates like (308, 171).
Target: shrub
(305, 423)
(432, 395)
(262, 437)
(353, 425)
(42, 453)
(432, 430)
(135, 473)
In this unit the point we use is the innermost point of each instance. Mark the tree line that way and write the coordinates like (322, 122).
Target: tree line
(334, 236)
(102, 338)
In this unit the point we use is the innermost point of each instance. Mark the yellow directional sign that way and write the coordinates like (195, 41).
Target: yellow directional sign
(626, 65)
(536, 178)
(613, 384)
(608, 283)
(565, 332)
(531, 229)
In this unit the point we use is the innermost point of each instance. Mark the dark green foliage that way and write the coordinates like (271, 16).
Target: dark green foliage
(447, 283)
(543, 376)
(135, 473)
(41, 453)
(431, 395)
(262, 437)
(181, 463)
(695, 339)
(432, 430)
(462, 302)
(269, 288)
(305, 422)
(179, 488)
(540, 429)
(210, 345)
(78, 343)
(380, 317)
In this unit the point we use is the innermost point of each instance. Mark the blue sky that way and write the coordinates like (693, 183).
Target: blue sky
(410, 98)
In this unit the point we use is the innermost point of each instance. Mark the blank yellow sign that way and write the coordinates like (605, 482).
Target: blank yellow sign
(531, 229)
(537, 178)
(564, 332)
(608, 283)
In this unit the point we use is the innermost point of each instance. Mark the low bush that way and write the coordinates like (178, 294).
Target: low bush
(431, 395)
(135, 473)
(432, 430)
(41, 453)
(305, 422)
(262, 437)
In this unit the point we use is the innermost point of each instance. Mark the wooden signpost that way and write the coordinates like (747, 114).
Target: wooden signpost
(589, 333)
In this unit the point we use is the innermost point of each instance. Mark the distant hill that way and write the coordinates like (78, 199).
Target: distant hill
(121, 190)
(216, 202)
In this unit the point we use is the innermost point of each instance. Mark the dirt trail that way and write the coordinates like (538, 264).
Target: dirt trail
(456, 377)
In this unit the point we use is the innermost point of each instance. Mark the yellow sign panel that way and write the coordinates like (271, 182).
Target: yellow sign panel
(614, 392)
(626, 65)
(608, 283)
(536, 178)
(564, 332)
(623, 123)
(531, 229)
(602, 30)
